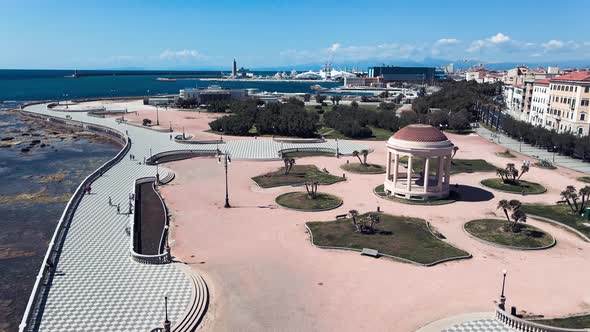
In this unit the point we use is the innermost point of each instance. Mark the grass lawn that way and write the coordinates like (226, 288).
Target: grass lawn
(505, 154)
(457, 165)
(301, 154)
(491, 230)
(363, 169)
(561, 213)
(584, 179)
(301, 201)
(530, 188)
(298, 175)
(379, 134)
(380, 190)
(399, 236)
(576, 322)
(486, 126)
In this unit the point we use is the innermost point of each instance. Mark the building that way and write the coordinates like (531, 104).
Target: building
(539, 103)
(356, 82)
(422, 75)
(419, 144)
(212, 94)
(569, 97)
(514, 98)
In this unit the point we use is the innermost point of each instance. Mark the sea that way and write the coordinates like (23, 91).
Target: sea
(26, 85)
(36, 185)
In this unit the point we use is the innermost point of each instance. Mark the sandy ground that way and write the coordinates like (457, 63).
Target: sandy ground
(264, 275)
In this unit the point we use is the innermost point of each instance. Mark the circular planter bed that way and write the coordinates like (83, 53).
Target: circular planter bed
(492, 231)
(380, 192)
(300, 201)
(528, 188)
(359, 168)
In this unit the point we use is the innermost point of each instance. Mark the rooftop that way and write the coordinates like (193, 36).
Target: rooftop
(420, 133)
(577, 76)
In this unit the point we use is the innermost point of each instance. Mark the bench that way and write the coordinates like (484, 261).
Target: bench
(340, 216)
(370, 252)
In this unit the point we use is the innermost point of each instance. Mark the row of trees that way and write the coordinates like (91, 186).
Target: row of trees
(353, 121)
(564, 143)
(288, 119)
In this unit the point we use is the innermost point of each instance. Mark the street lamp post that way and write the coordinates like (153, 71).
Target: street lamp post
(167, 324)
(170, 126)
(183, 136)
(226, 160)
(520, 144)
(337, 149)
(157, 116)
(502, 297)
(554, 149)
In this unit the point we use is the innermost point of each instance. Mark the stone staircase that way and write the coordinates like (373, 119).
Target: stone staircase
(200, 300)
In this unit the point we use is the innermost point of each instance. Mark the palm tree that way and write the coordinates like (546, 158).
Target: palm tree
(502, 173)
(455, 149)
(518, 215)
(355, 153)
(289, 162)
(364, 153)
(504, 205)
(523, 169)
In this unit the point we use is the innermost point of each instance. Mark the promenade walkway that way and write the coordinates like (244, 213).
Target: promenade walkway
(97, 286)
(532, 151)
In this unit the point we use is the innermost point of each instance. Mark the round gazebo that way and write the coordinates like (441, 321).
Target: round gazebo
(426, 153)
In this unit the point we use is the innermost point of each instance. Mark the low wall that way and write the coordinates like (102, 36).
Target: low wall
(163, 257)
(523, 325)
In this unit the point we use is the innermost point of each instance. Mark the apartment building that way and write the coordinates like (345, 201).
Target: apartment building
(569, 109)
(514, 98)
(539, 103)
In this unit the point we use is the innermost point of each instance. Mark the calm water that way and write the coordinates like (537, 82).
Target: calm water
(51, 84)
(34, 191)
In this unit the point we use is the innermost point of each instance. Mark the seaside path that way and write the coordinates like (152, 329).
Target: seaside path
(97, 286)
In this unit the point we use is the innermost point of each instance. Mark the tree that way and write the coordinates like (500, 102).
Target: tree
(455, 149)
(311, 186)
(337, 98)
(459, 120)
(306, 97)
(576, 200)
(364, 153)
(320, 98)
(146, 122)
(289, 162)
(511, 174)
(355, 153)
(354, 104)
(514, 214)
(354, 214)
(364, 224)
(398, 99)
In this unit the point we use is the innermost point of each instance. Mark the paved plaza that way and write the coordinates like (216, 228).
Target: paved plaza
(482, 325)
(97, 286)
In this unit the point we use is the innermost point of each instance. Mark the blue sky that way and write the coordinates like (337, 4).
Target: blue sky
(209, 34)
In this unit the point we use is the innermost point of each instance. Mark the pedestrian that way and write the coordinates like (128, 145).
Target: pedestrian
(170, 136)
(130, 157)
(89, 188)
(126, 132)
(118, 209)
(110, 201)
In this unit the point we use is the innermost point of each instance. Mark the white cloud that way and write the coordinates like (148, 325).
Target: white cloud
(334, 47)
(182, 54)
(447, 41)
(499, 38)
(553, 44)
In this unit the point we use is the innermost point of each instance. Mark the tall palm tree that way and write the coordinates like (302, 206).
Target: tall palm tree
(355, 153)
(364, 153)
(523, 169)
(504, 205)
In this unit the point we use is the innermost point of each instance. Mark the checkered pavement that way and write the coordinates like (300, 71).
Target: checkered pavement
(482, 325)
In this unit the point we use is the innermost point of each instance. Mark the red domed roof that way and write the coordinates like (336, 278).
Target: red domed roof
(420, 133)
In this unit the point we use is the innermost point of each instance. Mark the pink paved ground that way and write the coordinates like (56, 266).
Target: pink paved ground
(265, 275)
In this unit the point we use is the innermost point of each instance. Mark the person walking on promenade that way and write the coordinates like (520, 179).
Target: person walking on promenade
(110, 201)
(118, 209)
(89, 189)
(170, 136)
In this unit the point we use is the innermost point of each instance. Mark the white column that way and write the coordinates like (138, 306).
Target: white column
(439, 173)
(395, 168)
(409, 175)
(388, 167)
(448, 170)
(426, 169)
